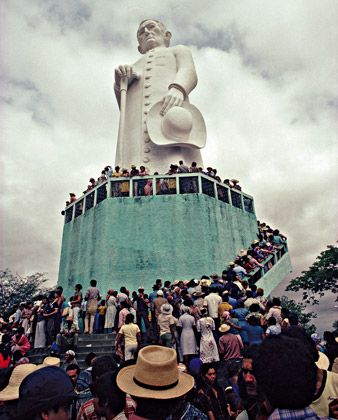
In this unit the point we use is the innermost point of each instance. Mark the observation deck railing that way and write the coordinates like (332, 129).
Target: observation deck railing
(154, 185)
(271, 260)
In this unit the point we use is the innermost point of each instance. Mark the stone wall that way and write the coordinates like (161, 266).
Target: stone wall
(133, 241)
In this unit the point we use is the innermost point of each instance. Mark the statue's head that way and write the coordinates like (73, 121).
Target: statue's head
(152, 33)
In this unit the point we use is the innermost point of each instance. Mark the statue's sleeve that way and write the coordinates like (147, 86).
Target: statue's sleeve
(186, 76)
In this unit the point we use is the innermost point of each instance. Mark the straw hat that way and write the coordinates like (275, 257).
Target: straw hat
(155, 375)
(11, 392)
(198, 294)
(243, 252)
(166, 309)
(182, 126)
(50, 361)
(205, 282)
(323, 362)
(224, 328)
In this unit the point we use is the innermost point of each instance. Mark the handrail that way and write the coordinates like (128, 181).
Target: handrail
(197, 183)
(258, 272)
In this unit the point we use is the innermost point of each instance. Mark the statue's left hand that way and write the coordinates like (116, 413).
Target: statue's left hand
(174, 98)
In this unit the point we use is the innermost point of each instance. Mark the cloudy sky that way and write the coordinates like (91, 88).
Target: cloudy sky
(267, 89)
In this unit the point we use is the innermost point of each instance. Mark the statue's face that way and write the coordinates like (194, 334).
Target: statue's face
(150, 35)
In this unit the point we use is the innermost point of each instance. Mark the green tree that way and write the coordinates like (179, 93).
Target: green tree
(299, 308)
(15, 289)
(321, 277)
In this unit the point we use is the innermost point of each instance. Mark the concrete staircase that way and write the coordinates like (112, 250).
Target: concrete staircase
(100, 344)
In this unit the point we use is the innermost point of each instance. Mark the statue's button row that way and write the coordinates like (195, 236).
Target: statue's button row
(146, 150)
(147, 103)
(147, 77)
(147, 140)
(146, 159)
(147, 86)
(149, 68)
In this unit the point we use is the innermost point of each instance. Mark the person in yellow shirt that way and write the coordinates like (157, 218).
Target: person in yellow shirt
(132, 338)
(102, 315)
(225, 305)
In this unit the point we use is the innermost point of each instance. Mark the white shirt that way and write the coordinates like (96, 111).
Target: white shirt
(213, 301)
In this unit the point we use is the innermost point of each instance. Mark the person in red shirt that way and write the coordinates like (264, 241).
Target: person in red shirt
(20, 342)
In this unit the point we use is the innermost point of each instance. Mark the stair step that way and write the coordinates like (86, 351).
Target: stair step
(96, 337)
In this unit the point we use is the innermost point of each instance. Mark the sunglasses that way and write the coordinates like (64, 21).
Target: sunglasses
(246, 371)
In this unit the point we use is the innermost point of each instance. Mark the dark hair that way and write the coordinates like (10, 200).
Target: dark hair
(20, 330)
(282, 361)
(78, 286)
(293, 318)
(276, 301)
(156, 409)
(129, 319)
(225, 297)
(103, 364)
(73, 366)
(5, 350)
(272, 320)
(89, 358)
(205, 368)
(93, 283)
(254, 307)
(108, 393)
(17, 355)
(249, 293)
(252, 320)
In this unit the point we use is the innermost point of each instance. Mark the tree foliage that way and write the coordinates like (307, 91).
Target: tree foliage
(15, 289)
(304, 317)
(321, 277)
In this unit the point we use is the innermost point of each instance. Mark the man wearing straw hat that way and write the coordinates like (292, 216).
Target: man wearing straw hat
(157, 123)
(157, 385)
(10, 395)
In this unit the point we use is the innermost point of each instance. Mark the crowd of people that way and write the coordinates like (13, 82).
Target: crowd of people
(201, 367)
(145, 188)
(208, 348)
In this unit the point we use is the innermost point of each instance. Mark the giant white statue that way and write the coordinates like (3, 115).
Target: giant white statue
(158, 125)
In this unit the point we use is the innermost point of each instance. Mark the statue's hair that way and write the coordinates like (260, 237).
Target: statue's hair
(162, 26)
(154, 20)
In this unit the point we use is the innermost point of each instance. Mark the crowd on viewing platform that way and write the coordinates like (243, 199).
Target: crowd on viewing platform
(145, 188)
(221, 331)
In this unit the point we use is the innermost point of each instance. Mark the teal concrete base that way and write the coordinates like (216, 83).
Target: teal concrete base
(133, 241)
(275, 275)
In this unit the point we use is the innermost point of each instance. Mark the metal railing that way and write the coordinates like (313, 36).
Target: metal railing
(159, 185)
(272, 259)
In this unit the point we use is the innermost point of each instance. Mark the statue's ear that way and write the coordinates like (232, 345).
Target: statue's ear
(167, 37)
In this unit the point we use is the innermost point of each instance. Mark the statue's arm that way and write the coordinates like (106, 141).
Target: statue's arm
(184, 81)
(186, 76)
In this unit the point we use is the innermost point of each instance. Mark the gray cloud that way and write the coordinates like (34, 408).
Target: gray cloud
(267, 89)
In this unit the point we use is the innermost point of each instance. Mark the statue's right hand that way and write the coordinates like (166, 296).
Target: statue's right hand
(124, 71)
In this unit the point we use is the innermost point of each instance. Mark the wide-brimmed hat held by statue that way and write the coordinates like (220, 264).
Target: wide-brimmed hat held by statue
(155, 375)
(181, 126)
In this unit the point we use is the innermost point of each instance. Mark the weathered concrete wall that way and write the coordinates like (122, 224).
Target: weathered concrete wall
(275, 275)
(133, 241)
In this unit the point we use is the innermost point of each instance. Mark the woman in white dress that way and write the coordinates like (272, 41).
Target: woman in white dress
(111, 311)
(40, 335)
(187, 325)
(208, 346)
